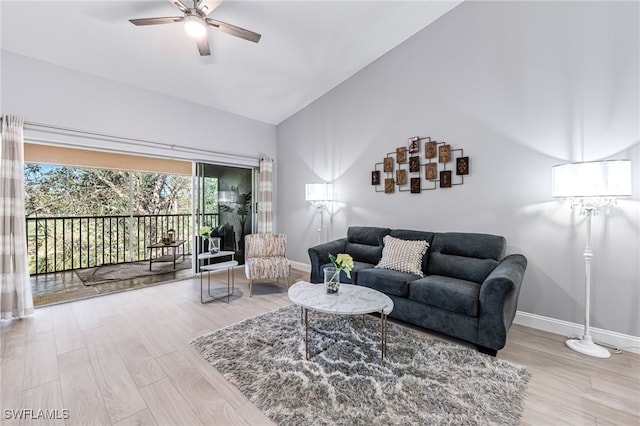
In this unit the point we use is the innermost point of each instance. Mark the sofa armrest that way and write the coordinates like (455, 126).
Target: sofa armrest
(499, 300)
(319, 255)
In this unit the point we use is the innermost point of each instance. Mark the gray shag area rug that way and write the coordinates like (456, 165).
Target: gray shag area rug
(422, 381)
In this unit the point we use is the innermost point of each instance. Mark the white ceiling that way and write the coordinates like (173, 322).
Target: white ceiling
(307, 47)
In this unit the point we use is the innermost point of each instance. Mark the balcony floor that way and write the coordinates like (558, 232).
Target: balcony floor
(59, 287)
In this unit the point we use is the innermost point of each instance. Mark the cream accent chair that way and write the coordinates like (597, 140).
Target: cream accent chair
(265, 258)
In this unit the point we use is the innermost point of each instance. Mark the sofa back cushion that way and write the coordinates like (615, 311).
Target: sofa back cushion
(409, 234)
(364, 243)
(465, 256)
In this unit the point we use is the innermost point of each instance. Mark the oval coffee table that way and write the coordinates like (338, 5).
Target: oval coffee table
(349, 300)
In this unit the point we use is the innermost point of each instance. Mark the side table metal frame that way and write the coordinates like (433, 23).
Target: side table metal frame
(228, 265)
(230, 280)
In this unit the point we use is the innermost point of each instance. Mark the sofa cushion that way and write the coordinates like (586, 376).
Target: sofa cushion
(410, 234)
(403, 255)
(386, 280)
(267, 267)
(465, 256)
(451, 294)
(364, 243)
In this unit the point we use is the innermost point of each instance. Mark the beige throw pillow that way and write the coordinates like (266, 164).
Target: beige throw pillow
(403, 255)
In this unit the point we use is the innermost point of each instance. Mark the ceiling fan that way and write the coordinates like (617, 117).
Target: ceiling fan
(196, 23)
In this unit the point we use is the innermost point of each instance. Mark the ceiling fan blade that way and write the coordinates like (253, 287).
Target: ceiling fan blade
(157, 21)
(179, 5)
(203, 46)
(233, 30)
(208, 6)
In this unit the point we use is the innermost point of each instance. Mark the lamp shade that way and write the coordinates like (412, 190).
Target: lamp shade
(318, 192)
(592, 179)
(227, 197)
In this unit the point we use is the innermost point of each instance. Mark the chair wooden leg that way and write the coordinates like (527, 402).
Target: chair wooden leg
(250, 287)
(287, 281)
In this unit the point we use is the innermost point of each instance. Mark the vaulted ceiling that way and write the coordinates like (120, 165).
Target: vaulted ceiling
(307, 47)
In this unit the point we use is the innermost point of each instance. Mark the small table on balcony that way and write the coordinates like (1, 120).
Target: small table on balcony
(166, 258)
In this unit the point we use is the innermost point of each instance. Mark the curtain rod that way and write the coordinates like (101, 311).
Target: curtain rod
(133, 141)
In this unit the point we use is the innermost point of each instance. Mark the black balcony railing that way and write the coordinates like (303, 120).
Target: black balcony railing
(56, 244)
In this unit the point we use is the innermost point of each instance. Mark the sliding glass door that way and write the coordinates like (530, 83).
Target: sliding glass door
(223, 198)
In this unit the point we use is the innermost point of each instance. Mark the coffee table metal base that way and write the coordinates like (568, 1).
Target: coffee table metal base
(383, 332)
(350, 300)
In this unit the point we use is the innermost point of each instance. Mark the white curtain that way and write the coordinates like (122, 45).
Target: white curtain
(265, 191)
(16, 300)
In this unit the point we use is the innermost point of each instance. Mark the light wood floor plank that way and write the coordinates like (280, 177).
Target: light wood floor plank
(203, 398)
(12, 359)
(562, 383)
(540, 411)
(232, 395)
(621, 387)
(38, 325)
(119, 391)
(41, 362)
(167, 406)
(48, 398)
(141, 418)
(66, 330)
(253, 416)
(142, 366)
(80, 391)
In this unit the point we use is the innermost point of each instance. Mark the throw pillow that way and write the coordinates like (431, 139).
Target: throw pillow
(403, 255)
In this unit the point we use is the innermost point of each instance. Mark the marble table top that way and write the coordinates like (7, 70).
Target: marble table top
(220, 253)
(349, 300)
(220, 265)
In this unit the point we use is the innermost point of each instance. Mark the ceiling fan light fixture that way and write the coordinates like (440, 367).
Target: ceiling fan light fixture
(194, 26)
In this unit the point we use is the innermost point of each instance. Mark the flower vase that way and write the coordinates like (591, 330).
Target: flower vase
(331, 280)
(214, 245)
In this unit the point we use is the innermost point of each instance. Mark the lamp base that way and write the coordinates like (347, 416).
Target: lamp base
(586, 346)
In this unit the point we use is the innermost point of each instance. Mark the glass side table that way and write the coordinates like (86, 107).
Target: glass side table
(228, 265)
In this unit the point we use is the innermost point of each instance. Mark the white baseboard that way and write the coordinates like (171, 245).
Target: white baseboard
(621, 341)
(564, 328)
(305, 267)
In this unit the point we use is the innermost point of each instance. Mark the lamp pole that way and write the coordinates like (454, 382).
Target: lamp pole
(585, 344)
(321, 208)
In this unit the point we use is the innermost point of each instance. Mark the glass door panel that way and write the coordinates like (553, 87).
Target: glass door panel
(223, 198)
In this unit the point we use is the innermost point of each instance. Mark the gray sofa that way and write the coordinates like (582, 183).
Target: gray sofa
(469, 289)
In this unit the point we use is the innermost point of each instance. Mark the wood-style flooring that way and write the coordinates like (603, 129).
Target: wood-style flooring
(125, 359)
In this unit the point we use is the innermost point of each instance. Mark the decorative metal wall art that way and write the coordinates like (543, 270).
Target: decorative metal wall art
(406, 170)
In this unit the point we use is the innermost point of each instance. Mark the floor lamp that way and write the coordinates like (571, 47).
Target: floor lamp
(319, 194)
(591, 186)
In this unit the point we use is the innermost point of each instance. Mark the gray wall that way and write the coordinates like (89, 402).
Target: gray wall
(44, 93)
(520, 86)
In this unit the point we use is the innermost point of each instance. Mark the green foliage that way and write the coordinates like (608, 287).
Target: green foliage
(210, 195)
(70, 191)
